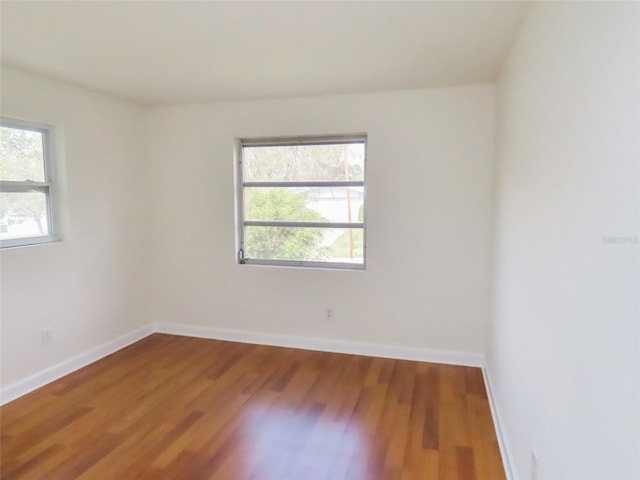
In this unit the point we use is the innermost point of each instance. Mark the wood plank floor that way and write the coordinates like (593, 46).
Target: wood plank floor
(173, 407)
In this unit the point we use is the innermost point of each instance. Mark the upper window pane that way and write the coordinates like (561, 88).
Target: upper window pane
(304, 163)
(21, 155)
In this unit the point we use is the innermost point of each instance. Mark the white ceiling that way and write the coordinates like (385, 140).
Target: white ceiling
(155, 52)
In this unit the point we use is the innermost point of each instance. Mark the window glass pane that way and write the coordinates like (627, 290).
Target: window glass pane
(23, 214)
(329, 162)
(306, 204)
(305, 244)
(21, 155)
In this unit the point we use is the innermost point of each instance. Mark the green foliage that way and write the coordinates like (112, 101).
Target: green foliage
(340, 248)
(21, 155)
(282, 243)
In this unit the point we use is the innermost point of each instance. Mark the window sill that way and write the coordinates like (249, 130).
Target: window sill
(27, 242)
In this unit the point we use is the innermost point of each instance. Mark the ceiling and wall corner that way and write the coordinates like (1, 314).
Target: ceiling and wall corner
(177, 52)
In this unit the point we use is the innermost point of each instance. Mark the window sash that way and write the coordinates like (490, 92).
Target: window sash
(23, 187)
(337, 183)
(48, 187)
(27, 188)
(243, 223)
(308, 140)
(281, 223)
(301, 263)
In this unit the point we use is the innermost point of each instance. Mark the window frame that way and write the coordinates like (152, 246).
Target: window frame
(48, 187)
(241, 222)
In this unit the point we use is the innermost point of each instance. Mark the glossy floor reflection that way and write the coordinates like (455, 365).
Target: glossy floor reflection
(184, 408)
(307, 445)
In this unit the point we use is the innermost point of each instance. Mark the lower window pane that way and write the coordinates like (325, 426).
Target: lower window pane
(23, 215)
(339, 245)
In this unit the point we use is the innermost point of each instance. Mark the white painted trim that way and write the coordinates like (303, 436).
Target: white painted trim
(498, 425)
(37, 380)
(324, 344)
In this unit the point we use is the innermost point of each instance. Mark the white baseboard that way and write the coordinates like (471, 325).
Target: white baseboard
(33, 382)
(324, 344)
(37, 380)
(498, 425)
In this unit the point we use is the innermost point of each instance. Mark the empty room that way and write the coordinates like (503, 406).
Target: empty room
(320, 240)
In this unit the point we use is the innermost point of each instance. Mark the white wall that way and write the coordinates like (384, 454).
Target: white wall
(93, 286)
(428, 212)
(564, 349)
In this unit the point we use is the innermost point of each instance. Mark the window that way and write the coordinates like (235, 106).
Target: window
(301, 201)
(26, 184)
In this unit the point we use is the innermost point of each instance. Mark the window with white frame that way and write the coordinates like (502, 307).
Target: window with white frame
(27, 188)
(301, 201)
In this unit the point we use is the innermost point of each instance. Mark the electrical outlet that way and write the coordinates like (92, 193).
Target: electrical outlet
(329, 314)
(45, 336)
(534, 465)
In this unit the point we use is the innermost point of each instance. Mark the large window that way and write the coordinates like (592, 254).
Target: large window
(301, 201)
(26, 184)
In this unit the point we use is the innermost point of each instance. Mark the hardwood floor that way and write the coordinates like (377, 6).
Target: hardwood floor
(173, 407)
